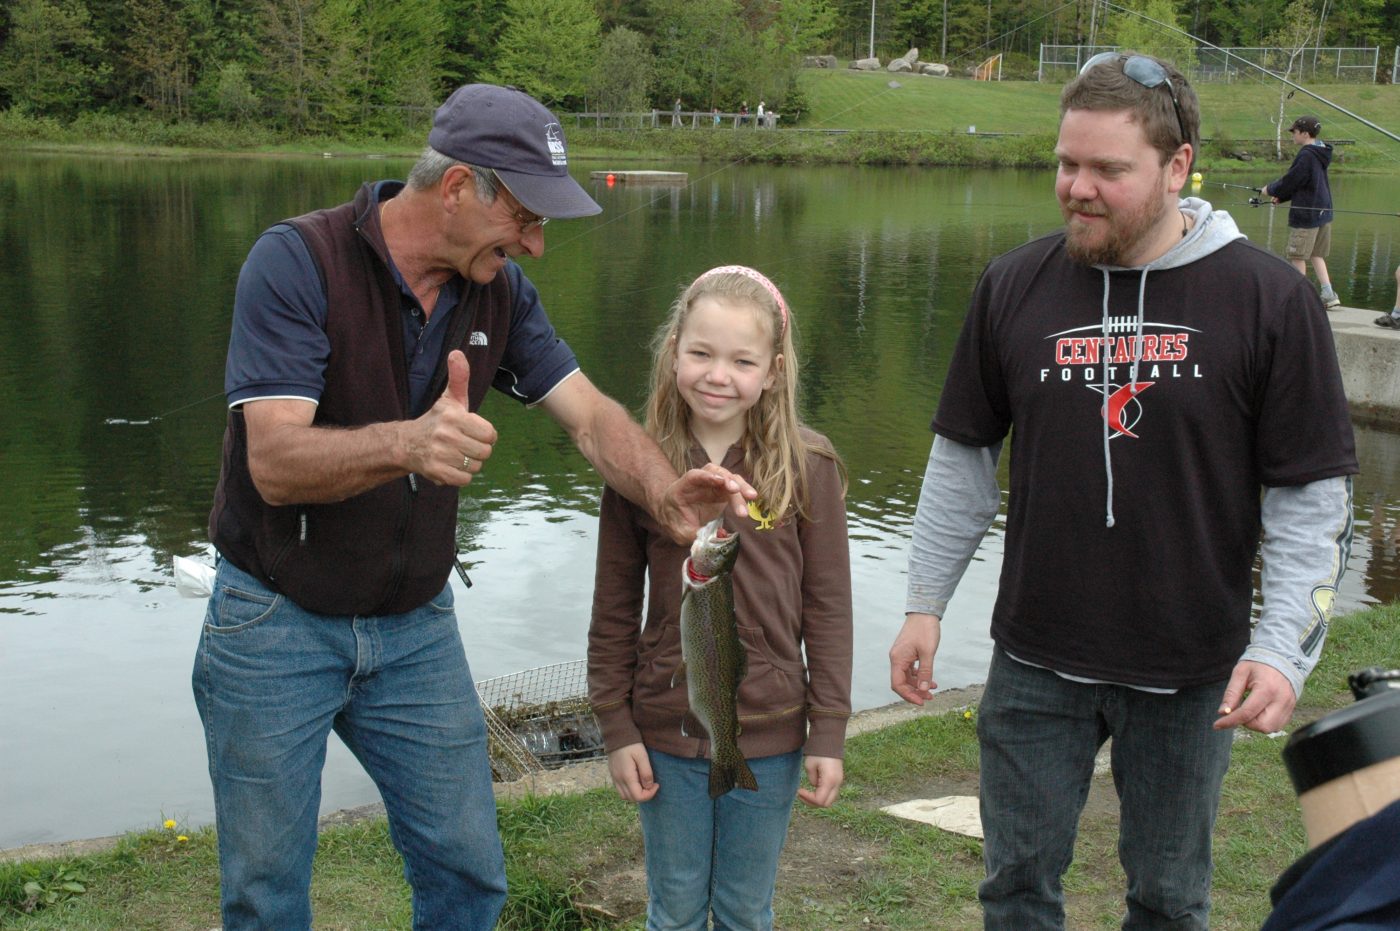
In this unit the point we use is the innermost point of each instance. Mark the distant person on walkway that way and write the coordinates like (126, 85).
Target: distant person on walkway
(365, 338)
(724, 391)
(744, 113)
(676, 112)
(762, 114)
(1391, 321)
(1145, 361)
(1310, 214)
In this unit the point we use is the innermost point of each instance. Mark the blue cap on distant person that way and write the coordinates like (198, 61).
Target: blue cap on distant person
(512, 133)
(1308, 124)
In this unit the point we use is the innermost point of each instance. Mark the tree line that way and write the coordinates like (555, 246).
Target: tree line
(378, 66)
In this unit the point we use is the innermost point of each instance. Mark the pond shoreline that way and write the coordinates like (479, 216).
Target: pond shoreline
(571, 778)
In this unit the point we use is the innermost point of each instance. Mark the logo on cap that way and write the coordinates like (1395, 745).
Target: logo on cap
(554, 138)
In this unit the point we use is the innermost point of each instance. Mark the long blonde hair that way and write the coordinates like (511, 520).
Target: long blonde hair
(773, 445)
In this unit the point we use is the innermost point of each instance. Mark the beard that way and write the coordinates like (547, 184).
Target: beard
(1116, 241)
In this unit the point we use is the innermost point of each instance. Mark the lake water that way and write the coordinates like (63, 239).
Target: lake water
(116, 277)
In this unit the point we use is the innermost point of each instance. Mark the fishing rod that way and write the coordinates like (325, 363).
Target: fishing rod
(1297, 87)
(1260, 202)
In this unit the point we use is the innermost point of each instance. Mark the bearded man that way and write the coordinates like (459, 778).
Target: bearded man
(1171, 391)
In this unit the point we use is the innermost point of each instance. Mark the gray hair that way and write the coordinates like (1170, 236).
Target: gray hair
(432, 165)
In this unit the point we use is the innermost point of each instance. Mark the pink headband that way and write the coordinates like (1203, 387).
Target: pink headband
(762, 279)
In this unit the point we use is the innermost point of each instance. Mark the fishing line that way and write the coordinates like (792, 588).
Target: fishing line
(155, 418)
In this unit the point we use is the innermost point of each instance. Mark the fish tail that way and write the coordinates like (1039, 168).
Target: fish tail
(729, 773)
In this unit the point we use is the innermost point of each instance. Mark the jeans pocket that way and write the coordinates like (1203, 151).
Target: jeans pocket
(445, 602)
(233, 609)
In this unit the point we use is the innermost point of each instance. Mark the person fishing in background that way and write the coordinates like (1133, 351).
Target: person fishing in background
(365, 338)
(724, 390)
(1306, 188)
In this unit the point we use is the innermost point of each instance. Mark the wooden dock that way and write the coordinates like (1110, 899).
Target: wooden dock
(641, 177)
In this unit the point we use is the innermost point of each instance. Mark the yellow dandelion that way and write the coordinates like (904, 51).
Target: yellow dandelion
(182, 838)
(170, 824)
(967, 715)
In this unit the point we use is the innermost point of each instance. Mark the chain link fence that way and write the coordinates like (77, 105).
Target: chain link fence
(1060, 63)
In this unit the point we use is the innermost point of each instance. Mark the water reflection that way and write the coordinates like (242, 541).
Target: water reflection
(119, 274)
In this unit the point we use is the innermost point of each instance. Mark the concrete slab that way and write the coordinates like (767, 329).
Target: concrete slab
(955, 813)
(1369, 357)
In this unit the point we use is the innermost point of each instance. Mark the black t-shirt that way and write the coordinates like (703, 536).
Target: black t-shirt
(1237, 387)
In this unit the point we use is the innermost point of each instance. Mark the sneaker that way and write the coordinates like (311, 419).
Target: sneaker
(1389, 321)
(1331, 301)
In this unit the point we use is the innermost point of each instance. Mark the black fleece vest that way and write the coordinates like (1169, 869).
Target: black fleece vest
(390, 549)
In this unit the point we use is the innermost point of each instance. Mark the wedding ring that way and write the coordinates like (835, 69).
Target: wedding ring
(466, 463)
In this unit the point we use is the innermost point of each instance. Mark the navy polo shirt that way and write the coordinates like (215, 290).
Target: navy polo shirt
(278, 346)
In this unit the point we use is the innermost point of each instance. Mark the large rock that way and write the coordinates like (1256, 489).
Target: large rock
(934, 68)
(905, 62)
(866, 64)
(819, 61)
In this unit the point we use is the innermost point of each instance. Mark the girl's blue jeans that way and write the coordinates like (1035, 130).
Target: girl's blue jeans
(715, 858)
(1039, 733)
(272, 680)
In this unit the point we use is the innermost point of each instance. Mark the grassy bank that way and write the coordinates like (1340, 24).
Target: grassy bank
(574, 860)
(849, 118)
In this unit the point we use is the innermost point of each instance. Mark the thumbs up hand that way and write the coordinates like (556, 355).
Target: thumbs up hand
(448, 444)
(459, 372)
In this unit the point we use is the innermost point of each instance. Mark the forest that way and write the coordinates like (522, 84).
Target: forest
(374, 67)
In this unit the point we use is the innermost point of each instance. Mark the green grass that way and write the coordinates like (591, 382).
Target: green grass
(857, 118)
(851, 118)
(573, 860)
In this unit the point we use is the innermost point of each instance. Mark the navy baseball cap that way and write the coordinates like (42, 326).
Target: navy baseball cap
(512, 133)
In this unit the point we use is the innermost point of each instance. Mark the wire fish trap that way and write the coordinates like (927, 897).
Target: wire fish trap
(539, 719)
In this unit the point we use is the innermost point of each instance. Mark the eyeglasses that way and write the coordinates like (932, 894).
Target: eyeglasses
(1146, 71)
(524, 219)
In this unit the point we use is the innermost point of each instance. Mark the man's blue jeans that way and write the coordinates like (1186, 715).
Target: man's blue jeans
(271, 680)
(715, 856)
(1039, 733)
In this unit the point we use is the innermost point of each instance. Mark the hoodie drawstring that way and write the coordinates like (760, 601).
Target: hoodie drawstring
(1107, 356)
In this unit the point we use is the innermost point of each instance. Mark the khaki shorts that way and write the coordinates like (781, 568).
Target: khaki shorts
(1310, 244)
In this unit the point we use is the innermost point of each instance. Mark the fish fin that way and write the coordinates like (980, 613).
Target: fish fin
(692, 726)
(678, 677)
(724, 777)
(721, 779)
(744, 777)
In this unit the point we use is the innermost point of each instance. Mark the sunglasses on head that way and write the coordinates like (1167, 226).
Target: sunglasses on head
(1146, 71)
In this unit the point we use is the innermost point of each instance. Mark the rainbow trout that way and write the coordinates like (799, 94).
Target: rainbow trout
(713, 661)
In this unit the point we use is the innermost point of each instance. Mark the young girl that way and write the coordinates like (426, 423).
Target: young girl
(724, 390)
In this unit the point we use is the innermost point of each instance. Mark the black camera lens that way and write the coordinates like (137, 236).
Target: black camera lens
(1373, 680)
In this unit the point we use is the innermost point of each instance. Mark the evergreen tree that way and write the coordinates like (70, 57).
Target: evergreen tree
(548, 48)
(473, 28)
(49, 63)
